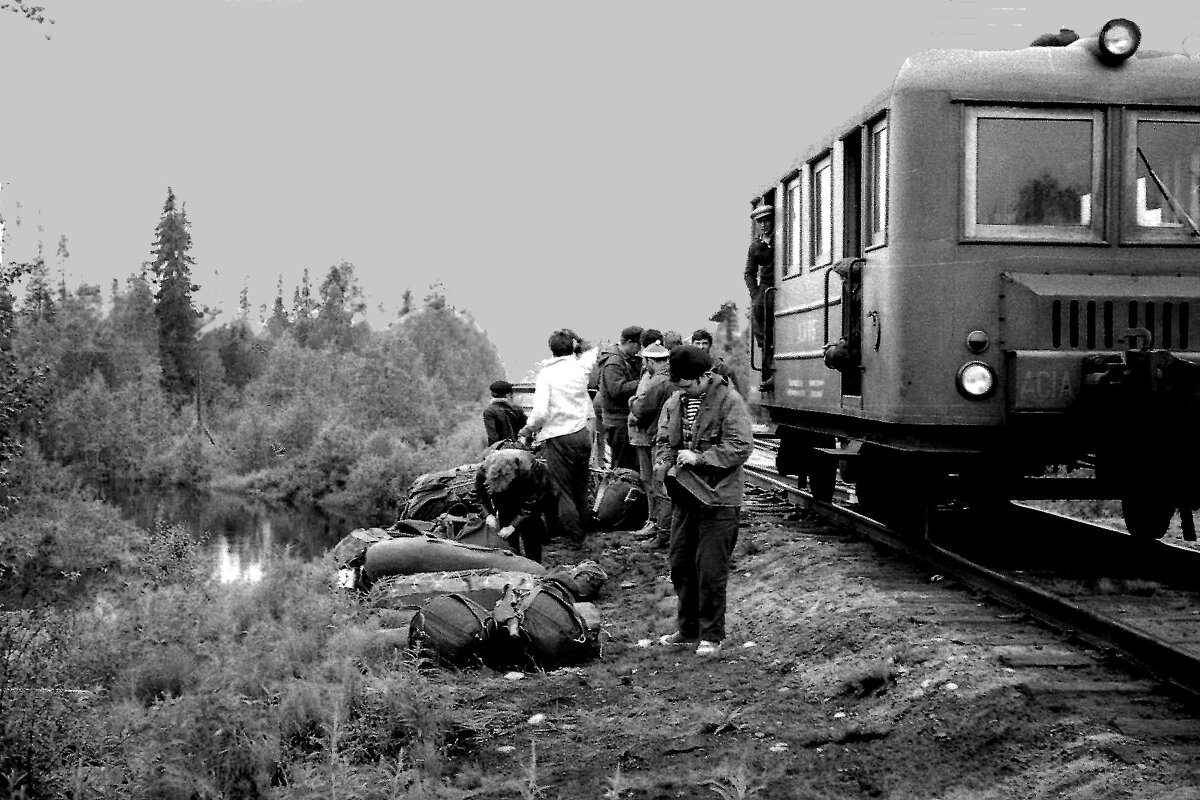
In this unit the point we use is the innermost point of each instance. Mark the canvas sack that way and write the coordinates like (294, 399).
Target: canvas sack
(621, 501)
(450, 630)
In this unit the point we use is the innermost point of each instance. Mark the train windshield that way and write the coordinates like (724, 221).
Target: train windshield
(1034, 174)
(1166, 183)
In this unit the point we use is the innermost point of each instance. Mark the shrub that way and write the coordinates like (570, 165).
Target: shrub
(42, 725)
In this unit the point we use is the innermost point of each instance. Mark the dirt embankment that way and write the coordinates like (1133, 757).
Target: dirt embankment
(846, 675)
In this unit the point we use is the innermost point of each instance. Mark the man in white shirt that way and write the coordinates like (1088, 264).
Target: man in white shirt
(560, 418)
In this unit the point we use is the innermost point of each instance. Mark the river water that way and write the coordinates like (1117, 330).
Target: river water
(239, 532)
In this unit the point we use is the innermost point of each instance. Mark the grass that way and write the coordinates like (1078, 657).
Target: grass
(126, 671)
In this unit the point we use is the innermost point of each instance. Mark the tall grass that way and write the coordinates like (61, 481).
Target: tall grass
(157, 682)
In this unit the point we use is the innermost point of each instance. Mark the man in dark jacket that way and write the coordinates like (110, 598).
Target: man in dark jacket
(620, 371)
(501, 419)
(513, 488)
(704, 437)
(703, 339)
(760, 278)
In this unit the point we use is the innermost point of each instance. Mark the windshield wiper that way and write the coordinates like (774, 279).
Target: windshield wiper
(1178, 209)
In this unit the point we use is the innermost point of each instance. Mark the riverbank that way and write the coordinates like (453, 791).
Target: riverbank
(834, 684)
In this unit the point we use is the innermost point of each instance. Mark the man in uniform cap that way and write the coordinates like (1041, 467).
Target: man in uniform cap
(501, 418)
(644, 409)
(760, 276)
(704, 438)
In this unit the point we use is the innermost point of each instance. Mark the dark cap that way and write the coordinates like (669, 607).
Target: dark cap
(689, 363)
(500, 388)
(632, 334)
(761, 211)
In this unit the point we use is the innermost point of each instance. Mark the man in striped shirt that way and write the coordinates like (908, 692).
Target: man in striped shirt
(704, 437)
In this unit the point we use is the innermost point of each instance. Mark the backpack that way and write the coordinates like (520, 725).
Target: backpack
(537, 626)
(449, 629)
(474, 530)
(621, 502)
(450, 491)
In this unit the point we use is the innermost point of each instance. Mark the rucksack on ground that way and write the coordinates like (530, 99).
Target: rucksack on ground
(450, 630)
(537, 627)
(449, 491)
(620, 502)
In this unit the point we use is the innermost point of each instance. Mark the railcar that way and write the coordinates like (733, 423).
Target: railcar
(992, 273)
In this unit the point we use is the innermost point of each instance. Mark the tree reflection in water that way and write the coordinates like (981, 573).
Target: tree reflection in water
(242, 533)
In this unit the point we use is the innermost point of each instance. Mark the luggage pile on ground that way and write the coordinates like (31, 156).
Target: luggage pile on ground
(464, 596)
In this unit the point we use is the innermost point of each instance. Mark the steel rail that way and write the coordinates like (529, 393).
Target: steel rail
(1136, 647)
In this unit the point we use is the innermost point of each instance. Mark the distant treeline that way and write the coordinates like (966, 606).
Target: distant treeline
(308, 405)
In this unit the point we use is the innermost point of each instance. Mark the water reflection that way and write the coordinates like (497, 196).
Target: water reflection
(241, 532)
(229, 567)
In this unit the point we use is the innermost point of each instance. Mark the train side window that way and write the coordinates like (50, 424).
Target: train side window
(877, 188)
(822, 211)
(1034, 174)
(793, 205)
(1161, 187)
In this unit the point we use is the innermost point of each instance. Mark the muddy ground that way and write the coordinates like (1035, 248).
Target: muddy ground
(846, 675)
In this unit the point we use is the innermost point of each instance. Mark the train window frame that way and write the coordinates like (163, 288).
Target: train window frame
(877, 184)
(816, 257)
(1132, 232)
(973, 230)
(793, 221)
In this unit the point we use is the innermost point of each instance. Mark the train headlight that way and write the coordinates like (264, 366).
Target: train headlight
(1119, 39)
(977, 342)
(975, 380)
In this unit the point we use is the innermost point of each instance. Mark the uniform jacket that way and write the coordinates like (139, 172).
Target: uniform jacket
(760, 265)
(721, 434)
(646, 407)
(619, 376)
(502, 420)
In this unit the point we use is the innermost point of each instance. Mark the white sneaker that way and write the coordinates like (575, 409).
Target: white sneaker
(675, 639)
(708, 649)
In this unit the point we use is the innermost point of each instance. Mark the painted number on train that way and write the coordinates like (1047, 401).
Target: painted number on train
(1046, 388)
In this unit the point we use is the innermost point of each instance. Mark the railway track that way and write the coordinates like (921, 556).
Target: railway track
(1137, 601)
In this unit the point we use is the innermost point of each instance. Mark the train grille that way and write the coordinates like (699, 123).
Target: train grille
(1092, 324)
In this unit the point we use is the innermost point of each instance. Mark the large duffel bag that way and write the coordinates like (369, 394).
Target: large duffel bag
(450, 629)
(409, 555)
(450, 491)
(351, 551)
(484, 586)
(537, 627)
(620, 503)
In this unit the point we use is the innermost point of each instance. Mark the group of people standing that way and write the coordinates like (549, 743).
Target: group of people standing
(667, 410)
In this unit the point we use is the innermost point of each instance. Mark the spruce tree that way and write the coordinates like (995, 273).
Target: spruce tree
(278, 323)
(178, 319)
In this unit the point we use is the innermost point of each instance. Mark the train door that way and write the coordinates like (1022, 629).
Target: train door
(849, 269)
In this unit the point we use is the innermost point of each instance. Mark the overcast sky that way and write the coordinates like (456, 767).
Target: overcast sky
(552, 163)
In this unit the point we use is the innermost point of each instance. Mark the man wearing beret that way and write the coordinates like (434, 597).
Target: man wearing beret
(501, 419)
(760, 277)
(704, 438)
